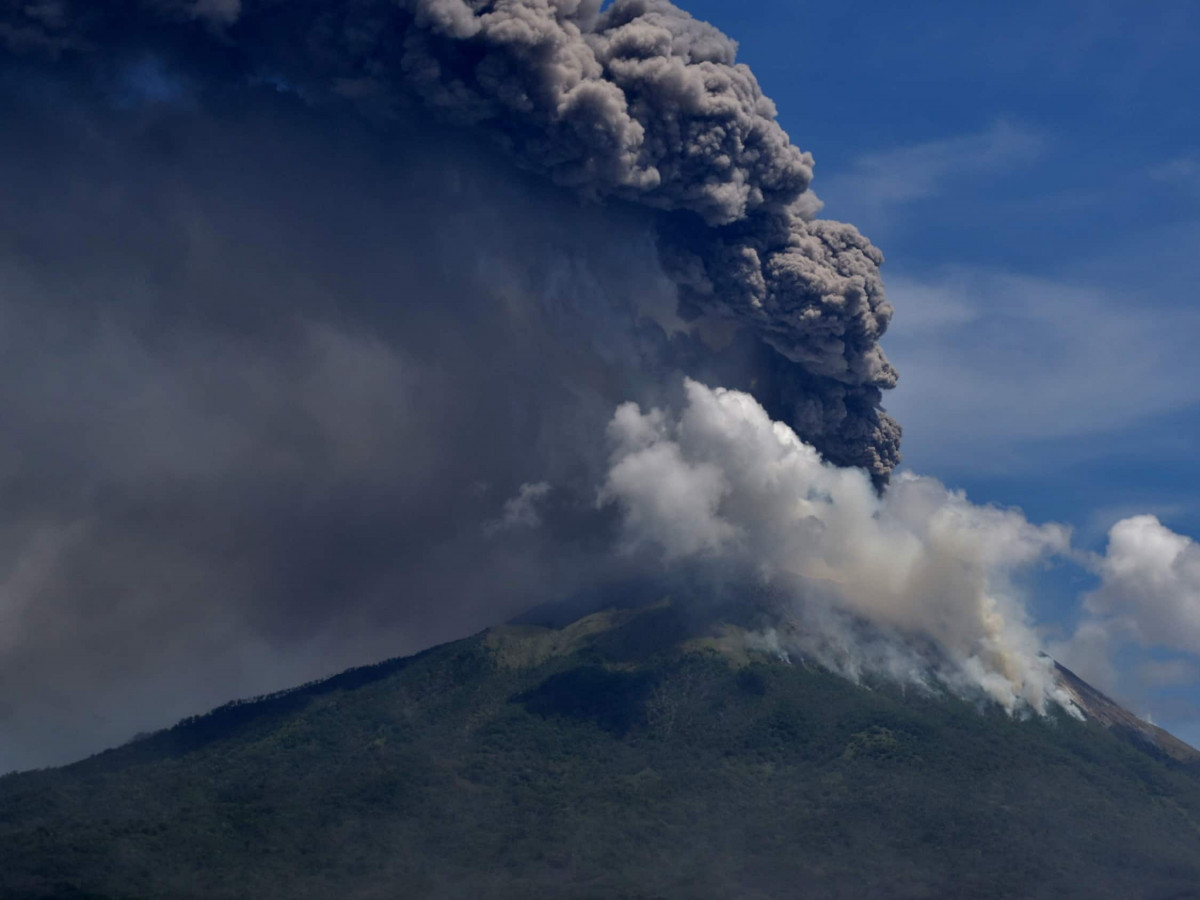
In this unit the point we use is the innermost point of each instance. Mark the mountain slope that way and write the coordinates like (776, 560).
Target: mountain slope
(1122, 722)
(617, 757)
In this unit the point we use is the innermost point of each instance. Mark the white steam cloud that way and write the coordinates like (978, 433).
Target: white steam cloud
(1149, 598)
(919, 562)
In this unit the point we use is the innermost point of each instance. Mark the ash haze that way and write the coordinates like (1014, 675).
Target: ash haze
(335, 330)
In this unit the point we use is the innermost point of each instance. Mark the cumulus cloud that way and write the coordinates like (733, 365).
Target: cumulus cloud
(1140, 628)
(1150, 586)
(920, 563)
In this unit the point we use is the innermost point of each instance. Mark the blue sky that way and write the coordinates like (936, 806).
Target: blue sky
(1032, 172)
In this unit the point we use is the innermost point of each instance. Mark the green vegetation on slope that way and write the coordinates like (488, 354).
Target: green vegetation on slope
(605, 760)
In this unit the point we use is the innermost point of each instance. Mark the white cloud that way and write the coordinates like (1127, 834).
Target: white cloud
(522, 510)
(921, 565)
(991, 361)
(723, 482)
(1150, 584)
(677, 499)
(880, 181)
(1100, 520)
(1184, 171)
(1148, 600)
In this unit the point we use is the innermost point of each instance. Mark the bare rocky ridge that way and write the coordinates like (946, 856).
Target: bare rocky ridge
(1103, 709)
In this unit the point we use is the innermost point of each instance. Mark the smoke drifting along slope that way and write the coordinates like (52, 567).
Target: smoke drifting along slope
(923, 565)
(298, 370)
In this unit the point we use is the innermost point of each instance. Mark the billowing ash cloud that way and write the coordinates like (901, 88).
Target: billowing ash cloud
(313, 318)
(919, 566)
(639, 102)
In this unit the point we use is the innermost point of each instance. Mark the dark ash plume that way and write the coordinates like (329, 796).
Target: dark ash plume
(639, 102)
(298, 369)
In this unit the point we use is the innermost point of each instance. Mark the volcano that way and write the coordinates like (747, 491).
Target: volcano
(630, 753)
